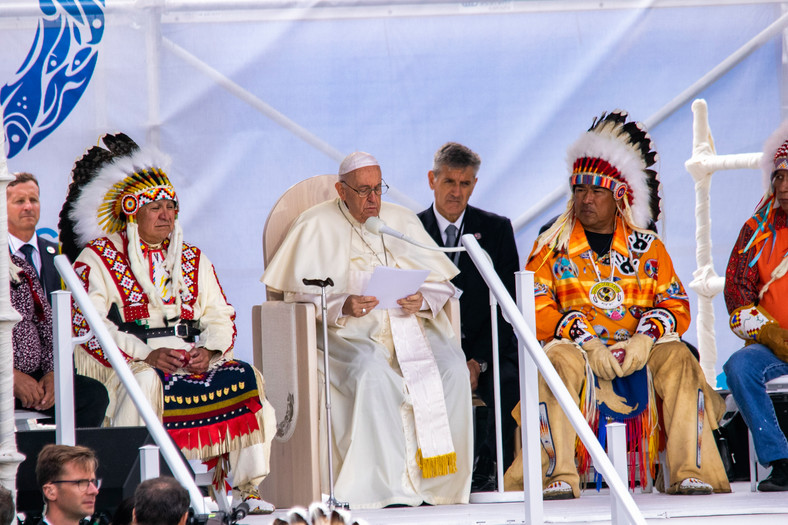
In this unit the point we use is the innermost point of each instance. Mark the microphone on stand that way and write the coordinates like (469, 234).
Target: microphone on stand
(378, 227)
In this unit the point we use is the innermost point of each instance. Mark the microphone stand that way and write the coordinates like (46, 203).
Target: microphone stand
(323, 283)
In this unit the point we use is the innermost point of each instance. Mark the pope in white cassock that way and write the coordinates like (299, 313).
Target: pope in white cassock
(401, 399)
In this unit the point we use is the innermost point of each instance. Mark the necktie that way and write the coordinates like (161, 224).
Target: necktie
(451, 236)
(451, 241)
(27, 249)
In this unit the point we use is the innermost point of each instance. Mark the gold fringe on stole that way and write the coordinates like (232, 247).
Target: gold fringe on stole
(437, 465)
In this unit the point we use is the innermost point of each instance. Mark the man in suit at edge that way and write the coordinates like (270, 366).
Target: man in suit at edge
(452, 180)
(24, 210)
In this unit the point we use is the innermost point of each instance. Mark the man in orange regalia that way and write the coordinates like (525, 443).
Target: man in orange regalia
(610, 308)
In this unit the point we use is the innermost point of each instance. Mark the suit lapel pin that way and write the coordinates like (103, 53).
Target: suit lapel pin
(50, 250)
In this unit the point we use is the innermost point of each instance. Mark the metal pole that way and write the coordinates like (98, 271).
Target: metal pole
(96, 322)
(496, 392)
(332, 502)
(323, 283)
(718, 71)
(153, 62)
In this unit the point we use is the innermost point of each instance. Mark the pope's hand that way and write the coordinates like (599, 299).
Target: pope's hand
(412, 303)
(637, 348)
(359, 305)
(602, 362)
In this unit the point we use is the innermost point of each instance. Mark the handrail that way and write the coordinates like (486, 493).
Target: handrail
(601, 462)
(121, 368)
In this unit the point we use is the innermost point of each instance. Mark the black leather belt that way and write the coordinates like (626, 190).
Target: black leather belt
(184, 329)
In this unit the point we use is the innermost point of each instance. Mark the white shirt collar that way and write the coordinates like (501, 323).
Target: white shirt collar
(14, 242)
(443, 222)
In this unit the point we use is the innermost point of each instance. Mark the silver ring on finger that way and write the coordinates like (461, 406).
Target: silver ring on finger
(363, 310)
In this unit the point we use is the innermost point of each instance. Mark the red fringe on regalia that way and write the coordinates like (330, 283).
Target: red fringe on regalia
(220, 434)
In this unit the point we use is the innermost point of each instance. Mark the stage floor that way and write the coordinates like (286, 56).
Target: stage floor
(741, 507)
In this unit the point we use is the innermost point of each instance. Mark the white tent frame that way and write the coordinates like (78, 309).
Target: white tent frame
(175, 11)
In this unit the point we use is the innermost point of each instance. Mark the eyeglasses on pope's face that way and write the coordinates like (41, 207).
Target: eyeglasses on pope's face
(82, 484)
(364, 192)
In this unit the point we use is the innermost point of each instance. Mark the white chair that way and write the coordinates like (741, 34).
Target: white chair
(27, 419)
(285, 351)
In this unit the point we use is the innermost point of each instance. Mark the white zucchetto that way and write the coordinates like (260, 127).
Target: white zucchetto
(356, 160)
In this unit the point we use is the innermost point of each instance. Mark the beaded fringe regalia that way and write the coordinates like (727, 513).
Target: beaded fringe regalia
(207, 415)
(616, 154)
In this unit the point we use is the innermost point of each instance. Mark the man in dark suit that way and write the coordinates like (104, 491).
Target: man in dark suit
(452, 180)
(33, 360)
(24, 209)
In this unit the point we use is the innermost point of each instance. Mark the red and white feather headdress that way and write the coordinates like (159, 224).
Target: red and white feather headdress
(618, 155)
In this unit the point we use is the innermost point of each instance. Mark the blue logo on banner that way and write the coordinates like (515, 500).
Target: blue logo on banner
(55, 72)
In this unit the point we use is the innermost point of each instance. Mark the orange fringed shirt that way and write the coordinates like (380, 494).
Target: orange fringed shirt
(562, 282)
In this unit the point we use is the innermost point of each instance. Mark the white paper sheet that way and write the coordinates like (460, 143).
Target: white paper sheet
(389, 285)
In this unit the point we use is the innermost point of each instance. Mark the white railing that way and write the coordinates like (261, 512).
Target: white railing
(111, 351)
(63, 350)
(706, 283)
(531, 352)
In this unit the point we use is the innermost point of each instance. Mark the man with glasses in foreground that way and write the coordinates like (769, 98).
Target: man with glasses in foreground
(400, 394)
(67, 478)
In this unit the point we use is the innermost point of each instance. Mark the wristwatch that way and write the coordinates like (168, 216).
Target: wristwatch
(482, 366)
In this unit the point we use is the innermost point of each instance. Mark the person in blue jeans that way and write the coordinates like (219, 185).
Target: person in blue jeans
(755, 290)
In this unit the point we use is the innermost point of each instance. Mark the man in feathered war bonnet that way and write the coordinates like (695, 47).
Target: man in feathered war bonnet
(166, 311)
(755, 294)
(610, 309)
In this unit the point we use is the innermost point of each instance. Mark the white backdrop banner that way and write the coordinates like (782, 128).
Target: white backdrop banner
(250, 97)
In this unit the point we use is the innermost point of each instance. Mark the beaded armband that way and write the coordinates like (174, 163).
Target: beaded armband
(656, 322)
(574, 326)
(747, 321)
